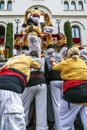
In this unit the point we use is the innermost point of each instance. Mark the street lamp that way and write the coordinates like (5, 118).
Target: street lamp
(58, 22)
(17, 21)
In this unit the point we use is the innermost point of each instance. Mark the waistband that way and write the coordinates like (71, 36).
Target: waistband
(8, 71)
(36, 74)
(17, 47)
(72, 83)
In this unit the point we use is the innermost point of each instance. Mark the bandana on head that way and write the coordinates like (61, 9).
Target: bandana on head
(50, 50)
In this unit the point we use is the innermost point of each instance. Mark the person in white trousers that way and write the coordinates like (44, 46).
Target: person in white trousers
(36, 89)
(74, 72)
(13, 77)
(56, 84)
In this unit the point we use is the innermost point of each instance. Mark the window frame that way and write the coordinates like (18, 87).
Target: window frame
(66, 5)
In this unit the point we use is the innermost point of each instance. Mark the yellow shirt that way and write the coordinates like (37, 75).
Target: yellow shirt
(36, 31)
(71, 69)
(22, 63)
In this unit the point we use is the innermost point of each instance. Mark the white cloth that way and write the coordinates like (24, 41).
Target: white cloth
(16, 52)
(42, 19)
(25, 52)
(56, 95)
(63, 52)
(11, 111)
(50, 50)
(34, 43)
(83, 54)
(68, 113)
(48, 29)
(39, 92)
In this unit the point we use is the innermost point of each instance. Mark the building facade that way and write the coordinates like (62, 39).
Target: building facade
(60, 11)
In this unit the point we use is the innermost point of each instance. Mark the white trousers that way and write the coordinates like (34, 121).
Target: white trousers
(56, 95)
(68, 113)
(34, 43)
(39, 92)
(11, 111)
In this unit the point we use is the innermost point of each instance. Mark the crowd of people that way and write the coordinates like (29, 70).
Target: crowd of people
(53, 85)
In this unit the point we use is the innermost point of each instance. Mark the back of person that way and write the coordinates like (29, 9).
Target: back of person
(55, 83)
(74, 89)
(53, 74)
(12, 70)
(36, 90)
(13, 78)
(37, 76)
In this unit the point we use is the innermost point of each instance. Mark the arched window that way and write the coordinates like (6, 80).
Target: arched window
(9, 5)
(2, 5)
(80, 5)
(66, 5)
(73, 5)
(76, 35)
(75, 32)
(2, 35)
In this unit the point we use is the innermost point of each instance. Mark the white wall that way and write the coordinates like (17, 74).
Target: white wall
(55, 10)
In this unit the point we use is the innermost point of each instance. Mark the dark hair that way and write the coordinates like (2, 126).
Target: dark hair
(24, 25)
(7, 46)
(50, 46)
(29, 21)
(35, 23)
(36, 8)
(34, 53)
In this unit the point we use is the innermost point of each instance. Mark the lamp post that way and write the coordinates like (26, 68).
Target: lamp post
(17, 21)
(58, 22)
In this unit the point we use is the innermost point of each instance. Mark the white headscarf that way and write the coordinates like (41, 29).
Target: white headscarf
(83, 54)
(50, 51)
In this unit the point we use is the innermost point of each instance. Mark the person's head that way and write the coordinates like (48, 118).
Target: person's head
(30, 21)
(34, 53)
(36, 8)
(83, 54)
(50, 49)
(73, 52)
(24, 25)
(50, 46)
(35, 23)
(26, 52)
(63, 52)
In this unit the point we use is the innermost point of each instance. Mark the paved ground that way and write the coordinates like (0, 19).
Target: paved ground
(78, 126)
(31, 128)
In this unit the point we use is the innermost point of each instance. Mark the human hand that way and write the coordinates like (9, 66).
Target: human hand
(52, 60)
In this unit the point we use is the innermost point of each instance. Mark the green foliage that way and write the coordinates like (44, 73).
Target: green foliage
(68, 33)
(9, 38)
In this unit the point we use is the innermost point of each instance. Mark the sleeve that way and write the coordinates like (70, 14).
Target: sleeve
(58, 66)
(27, 30)
(37, 30)
(35, 64)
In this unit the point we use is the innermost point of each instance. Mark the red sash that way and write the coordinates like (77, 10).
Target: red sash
(72, 83)
(6, 71)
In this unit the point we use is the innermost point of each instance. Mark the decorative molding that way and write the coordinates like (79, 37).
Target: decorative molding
(76, 22)
(72, 0)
